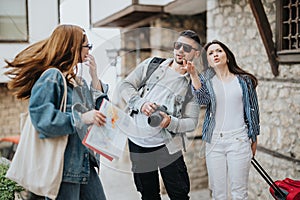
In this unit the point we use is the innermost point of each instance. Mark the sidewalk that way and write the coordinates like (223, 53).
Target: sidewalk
(118, 182)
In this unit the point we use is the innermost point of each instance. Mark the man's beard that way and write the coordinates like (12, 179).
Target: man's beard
(178, 62)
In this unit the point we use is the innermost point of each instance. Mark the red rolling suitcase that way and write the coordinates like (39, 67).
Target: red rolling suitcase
(287, 189)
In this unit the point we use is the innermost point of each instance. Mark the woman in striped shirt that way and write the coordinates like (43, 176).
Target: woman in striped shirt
(231, 123)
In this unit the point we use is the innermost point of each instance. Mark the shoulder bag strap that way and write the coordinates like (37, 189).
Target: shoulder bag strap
(63, 104)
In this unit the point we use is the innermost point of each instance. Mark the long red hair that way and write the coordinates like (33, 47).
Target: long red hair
(61, 50)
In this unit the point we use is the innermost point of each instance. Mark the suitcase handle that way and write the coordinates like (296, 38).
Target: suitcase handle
(267, 178)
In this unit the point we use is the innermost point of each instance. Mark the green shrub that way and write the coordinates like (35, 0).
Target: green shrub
(8, 188)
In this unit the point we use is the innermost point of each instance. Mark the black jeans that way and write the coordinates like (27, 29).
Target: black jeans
(145, 165)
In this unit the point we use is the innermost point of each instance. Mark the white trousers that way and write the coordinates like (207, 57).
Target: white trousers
(228, 160)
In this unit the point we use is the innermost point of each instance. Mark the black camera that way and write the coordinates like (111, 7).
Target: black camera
(155, 118)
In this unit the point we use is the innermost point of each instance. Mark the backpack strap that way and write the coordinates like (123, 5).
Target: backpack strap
(153, 65)
(187, 98)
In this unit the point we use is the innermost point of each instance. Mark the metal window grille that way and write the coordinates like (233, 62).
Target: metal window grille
(291, 25)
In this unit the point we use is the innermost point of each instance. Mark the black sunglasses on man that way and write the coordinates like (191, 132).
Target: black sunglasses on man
(186, 47)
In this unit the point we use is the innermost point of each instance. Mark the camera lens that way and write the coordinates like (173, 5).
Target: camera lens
(154, 120)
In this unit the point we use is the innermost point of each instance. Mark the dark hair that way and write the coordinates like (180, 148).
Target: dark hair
(232, 64)
(191, 34)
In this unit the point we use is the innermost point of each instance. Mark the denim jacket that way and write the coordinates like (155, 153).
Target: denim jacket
(206, 96)
(49, 121)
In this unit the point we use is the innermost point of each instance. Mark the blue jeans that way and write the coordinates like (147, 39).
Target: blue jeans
(145, 165)
(75, 191)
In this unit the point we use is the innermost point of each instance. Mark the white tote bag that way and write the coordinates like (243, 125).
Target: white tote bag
(38, 163)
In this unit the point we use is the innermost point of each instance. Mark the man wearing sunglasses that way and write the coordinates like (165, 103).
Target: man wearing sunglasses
(152, 147)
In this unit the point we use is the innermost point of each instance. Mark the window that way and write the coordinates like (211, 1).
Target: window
(288, 35)
(13, 21)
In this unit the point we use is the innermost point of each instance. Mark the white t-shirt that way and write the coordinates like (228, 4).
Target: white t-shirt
(229, 105)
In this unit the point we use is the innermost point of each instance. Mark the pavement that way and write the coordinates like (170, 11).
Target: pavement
(118, 182)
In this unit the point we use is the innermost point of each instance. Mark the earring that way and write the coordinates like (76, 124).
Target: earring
(227, 61)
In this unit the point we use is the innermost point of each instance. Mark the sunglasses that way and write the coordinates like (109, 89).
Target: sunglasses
(90, 46)
(186, 47)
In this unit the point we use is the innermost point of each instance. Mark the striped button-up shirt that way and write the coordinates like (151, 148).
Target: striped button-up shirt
(206, 96)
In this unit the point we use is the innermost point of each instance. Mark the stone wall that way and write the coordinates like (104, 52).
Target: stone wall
(10, 111)
(232, 22)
